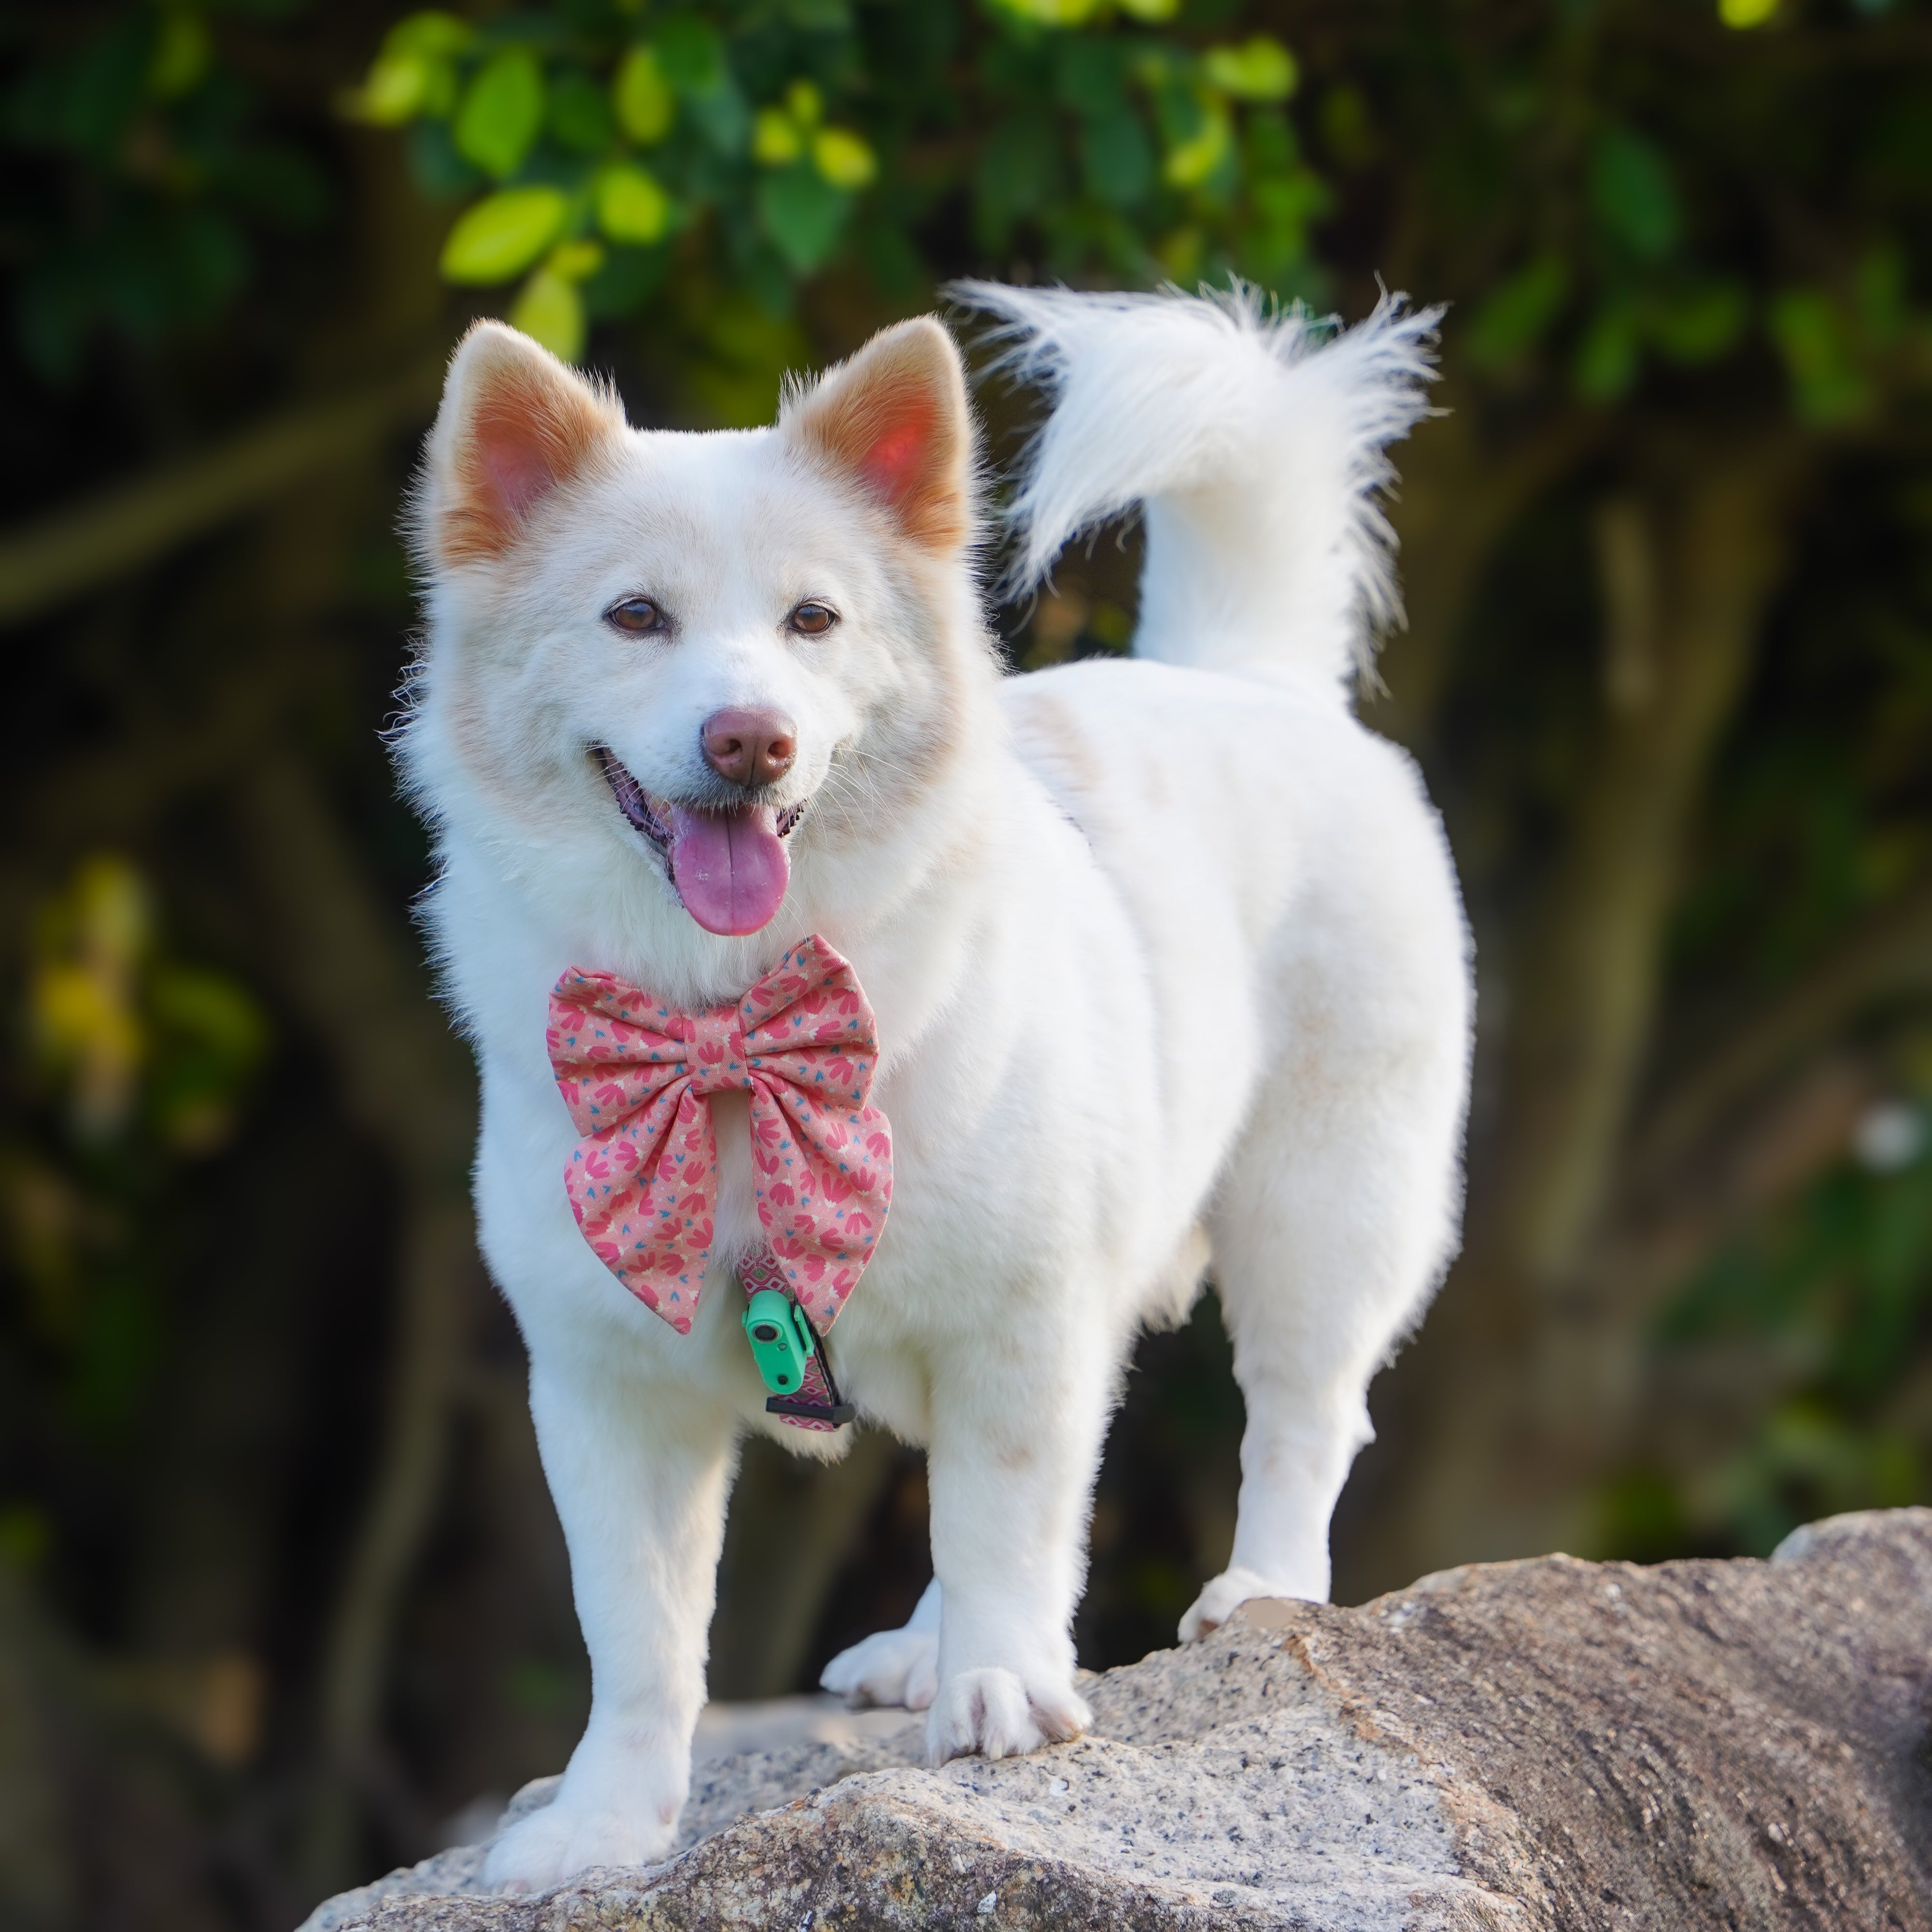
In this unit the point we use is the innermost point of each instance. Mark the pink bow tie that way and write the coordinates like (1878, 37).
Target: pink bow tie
(643, 1181)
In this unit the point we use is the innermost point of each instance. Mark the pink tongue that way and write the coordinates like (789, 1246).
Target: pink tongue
(731, 867)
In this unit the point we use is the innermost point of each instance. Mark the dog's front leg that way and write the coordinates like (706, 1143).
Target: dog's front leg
(1016, 1432)
(640, 1472)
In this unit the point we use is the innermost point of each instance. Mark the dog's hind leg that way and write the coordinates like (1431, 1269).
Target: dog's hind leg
(891, 1667)
(1331, 1229)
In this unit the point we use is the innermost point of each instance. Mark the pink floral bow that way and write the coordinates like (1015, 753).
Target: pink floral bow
(643, 1181)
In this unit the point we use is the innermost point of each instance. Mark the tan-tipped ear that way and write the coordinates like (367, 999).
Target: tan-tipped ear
(514, 424)
(896, 420)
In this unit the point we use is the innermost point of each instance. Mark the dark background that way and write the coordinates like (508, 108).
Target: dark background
(281, 1589)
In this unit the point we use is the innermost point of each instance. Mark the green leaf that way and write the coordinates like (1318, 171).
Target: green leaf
(182, 51)
(1117, 158)
(1696, 324)
(1259, 69)
(502, 235)
(1019, 170)
(1634, 194)
(1515, 316)
(692, 55)
(1089, 75)
(1883, 303)
(631, 205)
(550, 310)
(844, 158)
(626, 281)
(646, 105)
(213, 1013)
(1827, 385)
(802, 214)
(1191, 162)
(435, 166)
(580, 113)
(1049, 13)
(1608, 357)
(776, 139)
(503, 112)
(433, 34)
(400, 87)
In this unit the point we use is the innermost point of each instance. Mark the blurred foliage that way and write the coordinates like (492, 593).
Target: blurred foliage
(136, 1064)
(1679, 236)
(759, 144)
(150, 166)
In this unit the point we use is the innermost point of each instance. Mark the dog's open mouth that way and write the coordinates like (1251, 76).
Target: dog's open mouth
(729, 865)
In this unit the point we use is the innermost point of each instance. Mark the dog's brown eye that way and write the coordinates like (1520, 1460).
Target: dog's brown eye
(813, 620)
(637, 615)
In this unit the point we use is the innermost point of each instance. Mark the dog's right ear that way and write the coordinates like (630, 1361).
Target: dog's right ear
(515, 424)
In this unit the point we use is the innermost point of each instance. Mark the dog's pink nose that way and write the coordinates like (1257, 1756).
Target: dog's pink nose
(749, 747)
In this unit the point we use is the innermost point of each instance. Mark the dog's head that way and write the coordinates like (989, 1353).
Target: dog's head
(663, 664)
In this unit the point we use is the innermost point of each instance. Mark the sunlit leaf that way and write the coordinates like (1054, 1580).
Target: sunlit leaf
(631, 205)
(576, 259)
(502, 112)
(646, 105)
(776, 140)
(434, 34)
(549, 309)
(1049, 13)
(844, 158)
(502, 235)
(1259, 69)
(401, 86)
(1746, 13)
(1190, 162)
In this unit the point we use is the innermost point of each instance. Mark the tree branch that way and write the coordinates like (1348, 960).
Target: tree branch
(77, 549)
(1891, 953)
(406, 1084)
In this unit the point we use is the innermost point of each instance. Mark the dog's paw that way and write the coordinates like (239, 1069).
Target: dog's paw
(1220, 1600)
(993, 1713)
(890, 1668)
(563, 1839)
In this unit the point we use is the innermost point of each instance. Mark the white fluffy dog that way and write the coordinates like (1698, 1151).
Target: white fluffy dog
(1167, 957)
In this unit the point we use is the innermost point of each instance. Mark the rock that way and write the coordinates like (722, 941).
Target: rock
(1547, 1744)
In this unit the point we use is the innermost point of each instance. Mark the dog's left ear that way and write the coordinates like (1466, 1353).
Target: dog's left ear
(894, 420)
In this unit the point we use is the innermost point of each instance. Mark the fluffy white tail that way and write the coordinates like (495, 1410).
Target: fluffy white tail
(1255, 443)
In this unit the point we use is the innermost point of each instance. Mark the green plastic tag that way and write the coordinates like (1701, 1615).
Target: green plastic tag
(781, 1344)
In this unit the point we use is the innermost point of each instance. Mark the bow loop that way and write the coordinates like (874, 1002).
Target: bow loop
(633, 1071)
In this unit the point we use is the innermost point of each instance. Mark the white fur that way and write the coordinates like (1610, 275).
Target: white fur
(1155, 952)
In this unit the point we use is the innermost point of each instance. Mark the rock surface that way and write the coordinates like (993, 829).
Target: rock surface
(1548, 1745)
